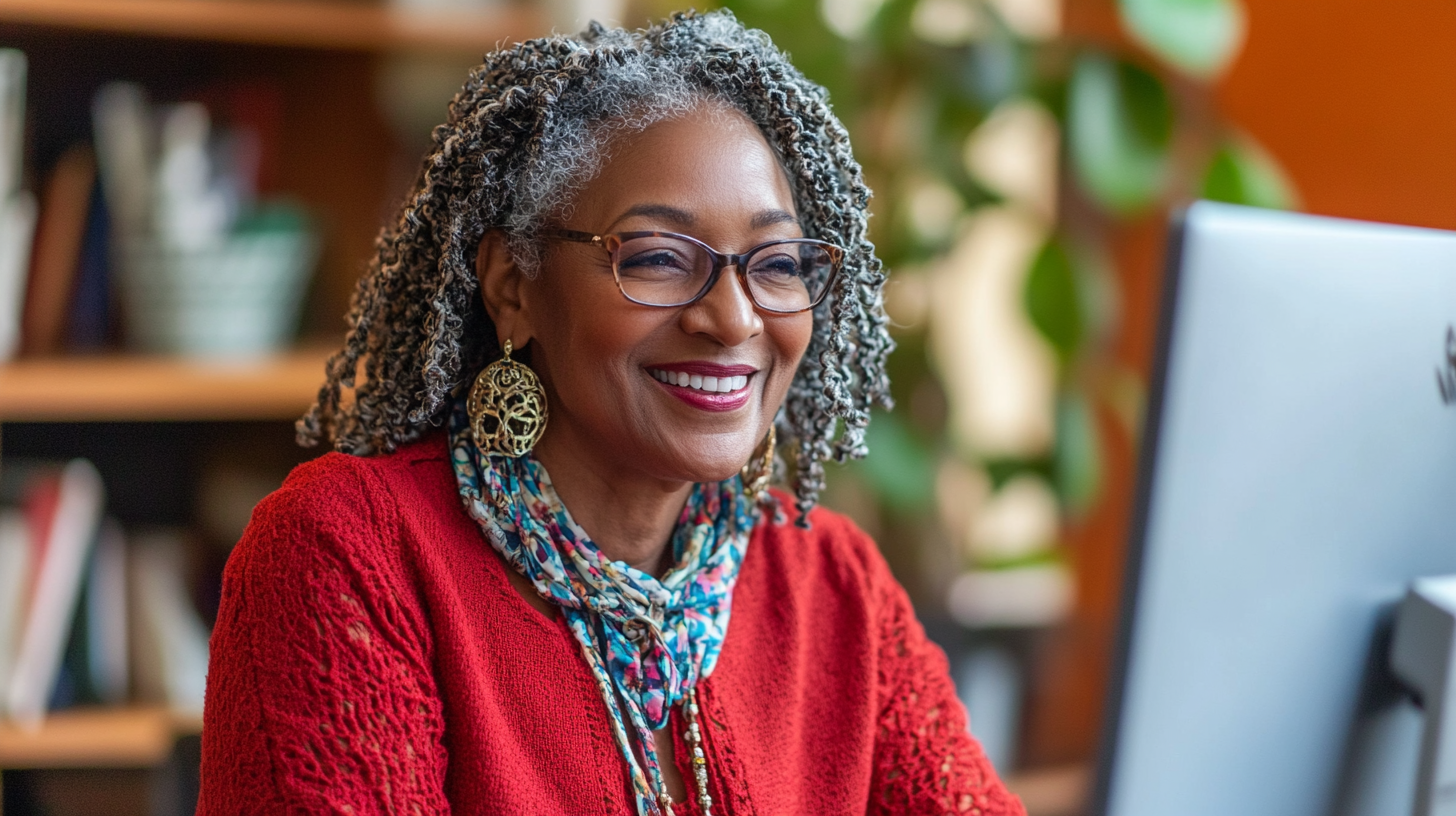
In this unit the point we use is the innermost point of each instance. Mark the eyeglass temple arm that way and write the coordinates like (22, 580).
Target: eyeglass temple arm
(572, 235)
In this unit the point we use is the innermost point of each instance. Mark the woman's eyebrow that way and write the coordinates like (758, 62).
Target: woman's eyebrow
(681, 218)
(768, 218)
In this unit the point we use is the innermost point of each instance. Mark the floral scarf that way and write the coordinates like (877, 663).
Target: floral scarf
(648, 641)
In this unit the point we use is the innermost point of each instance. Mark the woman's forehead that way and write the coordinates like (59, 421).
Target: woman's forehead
(704, 164)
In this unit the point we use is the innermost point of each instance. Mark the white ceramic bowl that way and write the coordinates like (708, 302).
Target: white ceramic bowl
(240, 298)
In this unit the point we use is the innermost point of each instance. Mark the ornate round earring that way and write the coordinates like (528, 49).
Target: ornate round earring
(759, 470)
(507, 408)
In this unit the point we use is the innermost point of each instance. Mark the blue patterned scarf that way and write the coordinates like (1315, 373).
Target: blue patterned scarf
(649, 640)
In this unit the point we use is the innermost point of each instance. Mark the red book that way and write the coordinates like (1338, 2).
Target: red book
(41, 498)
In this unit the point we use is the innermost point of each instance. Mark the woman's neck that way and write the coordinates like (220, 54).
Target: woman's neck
(630, 519)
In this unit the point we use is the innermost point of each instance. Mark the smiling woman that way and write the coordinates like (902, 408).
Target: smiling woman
(544, 572)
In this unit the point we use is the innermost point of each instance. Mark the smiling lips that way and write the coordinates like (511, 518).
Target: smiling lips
(706, 386)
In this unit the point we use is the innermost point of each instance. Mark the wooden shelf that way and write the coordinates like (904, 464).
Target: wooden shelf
(135, 388)
(133, 737)
(1058, 791)
(295, 23)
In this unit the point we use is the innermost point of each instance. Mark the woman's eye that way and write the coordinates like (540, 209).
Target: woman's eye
(777, 266)
(653, 262)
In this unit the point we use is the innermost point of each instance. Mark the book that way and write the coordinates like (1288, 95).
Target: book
(125, 154)
(15, 574)
(107, 644)
(62, 545)
(169, 638)
(40, 483)
(12, 120)
(17, 225)
(64, 210)
(89, 319)
(17, 208)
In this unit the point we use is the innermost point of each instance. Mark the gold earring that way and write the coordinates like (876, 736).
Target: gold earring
(507, 408)
(759, 470)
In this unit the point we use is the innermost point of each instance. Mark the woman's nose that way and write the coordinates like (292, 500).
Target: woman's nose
(725, 313)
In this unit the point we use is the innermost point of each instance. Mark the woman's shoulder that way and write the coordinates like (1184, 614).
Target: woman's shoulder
(831, 547)
(345, 485)
(345, 505)
(334, 470)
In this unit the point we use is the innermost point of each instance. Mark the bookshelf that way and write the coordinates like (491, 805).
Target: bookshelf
(307, 24)
(134, 388)
(168, 433)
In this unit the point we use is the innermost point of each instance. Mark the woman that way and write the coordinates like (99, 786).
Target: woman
(546, 581)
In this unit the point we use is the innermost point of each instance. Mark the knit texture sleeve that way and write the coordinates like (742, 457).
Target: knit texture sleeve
(320, 695)
(925, 759)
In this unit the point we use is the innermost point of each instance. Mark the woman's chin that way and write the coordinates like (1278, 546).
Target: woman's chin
(693, 467)
(709, 474)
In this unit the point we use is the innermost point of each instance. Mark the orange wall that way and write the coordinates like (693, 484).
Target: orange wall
(1357, 100)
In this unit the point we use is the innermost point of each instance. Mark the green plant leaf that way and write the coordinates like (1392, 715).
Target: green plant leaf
(1078, 453)
(1199, 37)
(899, 468)
(1242, 172)
(1004, 469)
(1119, 124)
(1053, 300)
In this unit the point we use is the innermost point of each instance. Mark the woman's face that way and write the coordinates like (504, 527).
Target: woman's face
(603, 359)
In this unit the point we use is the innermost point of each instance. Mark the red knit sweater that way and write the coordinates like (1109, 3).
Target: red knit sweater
(371, 657)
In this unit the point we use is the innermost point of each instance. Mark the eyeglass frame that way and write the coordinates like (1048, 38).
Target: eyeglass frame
(720, 261)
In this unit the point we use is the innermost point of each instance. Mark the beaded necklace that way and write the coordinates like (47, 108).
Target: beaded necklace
(648, 641)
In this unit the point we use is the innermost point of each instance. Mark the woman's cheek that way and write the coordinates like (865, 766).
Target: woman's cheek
(796, 341)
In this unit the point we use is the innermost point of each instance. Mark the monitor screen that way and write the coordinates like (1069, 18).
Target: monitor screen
(1298, 472)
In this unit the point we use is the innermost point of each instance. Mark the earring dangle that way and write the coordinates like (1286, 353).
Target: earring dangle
(759, 470)
(507, 408)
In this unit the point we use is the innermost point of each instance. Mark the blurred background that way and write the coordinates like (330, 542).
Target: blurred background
(1025, 154)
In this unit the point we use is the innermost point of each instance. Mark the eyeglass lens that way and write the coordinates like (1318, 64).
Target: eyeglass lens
(661, 270)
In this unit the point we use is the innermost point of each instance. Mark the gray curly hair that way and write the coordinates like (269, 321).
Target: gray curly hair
(526, 130)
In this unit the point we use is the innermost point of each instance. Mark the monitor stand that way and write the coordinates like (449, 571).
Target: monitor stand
(1423, 657)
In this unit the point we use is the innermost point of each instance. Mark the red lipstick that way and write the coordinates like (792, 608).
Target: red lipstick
(706, 401)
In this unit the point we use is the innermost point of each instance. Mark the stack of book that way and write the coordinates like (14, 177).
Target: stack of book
(88, 613)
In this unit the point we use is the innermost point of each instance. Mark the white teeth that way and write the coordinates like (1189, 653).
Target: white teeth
(714, 385)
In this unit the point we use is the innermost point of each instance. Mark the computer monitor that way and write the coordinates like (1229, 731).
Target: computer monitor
(1298, 472)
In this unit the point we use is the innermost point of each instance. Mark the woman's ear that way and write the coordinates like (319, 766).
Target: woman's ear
(502, 289)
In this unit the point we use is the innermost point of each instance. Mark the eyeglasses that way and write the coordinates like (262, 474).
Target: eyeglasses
(667, 269)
